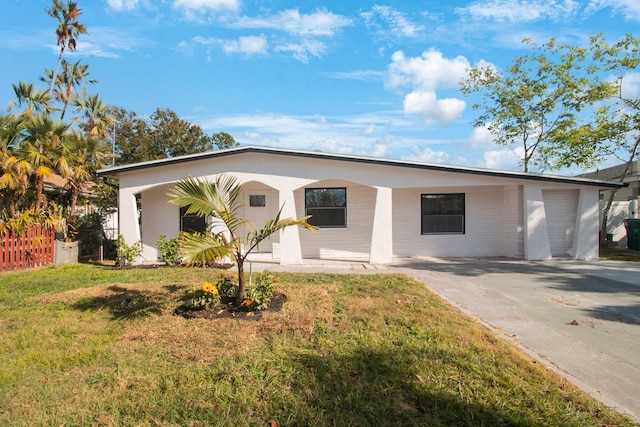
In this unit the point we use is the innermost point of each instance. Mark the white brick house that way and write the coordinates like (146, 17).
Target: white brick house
(373, 209)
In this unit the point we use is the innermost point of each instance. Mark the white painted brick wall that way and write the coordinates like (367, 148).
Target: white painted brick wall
(513, 222)
(484, 225)
(353, 241)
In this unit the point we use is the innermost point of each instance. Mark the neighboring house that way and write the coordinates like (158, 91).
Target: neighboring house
(372, 209)
(626, 201)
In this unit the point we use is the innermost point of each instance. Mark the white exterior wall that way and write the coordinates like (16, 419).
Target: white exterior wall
(513, 220)
(505, 216)
(352, 241)
(483, 224)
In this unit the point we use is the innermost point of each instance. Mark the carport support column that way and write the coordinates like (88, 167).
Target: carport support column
(128, 224)
(536, 234)
(381, 251)
(290, 250)
(585, 238)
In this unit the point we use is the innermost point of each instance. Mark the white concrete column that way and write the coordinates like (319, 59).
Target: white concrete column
(381, 251)
(128, 223)
(290, 249)
(585, 240)
(536, 234)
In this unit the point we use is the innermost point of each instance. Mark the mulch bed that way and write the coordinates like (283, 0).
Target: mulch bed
(229, 311)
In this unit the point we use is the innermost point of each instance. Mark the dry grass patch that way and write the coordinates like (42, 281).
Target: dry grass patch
(149, 309)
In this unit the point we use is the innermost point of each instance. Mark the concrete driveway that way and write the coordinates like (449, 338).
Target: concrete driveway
(580, 318)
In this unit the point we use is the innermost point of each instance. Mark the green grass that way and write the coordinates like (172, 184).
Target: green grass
(620, 254)
(345, 350)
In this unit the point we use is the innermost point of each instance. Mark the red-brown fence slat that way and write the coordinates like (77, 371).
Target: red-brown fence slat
(32, 248)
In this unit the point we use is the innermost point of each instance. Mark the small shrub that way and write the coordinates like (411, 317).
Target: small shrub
(227, 287)
(127, 254)
(206, 297)
(169, 250)
(261, 293)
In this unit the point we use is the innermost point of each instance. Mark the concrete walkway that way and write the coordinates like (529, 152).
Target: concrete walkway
(580, 318)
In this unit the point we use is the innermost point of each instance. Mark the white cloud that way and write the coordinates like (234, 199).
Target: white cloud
(301, 51)
(319, 23)
(507, 159)
(631, 86)
(248, 45)
(195, 6)
(428, 155)
(629, 8)
(435, 110)
(394, 23)
(122, 5)
(481, 137)
(519, 10)
(424, 75)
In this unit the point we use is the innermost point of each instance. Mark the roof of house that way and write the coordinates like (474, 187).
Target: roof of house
(614, 173)
(113, 172)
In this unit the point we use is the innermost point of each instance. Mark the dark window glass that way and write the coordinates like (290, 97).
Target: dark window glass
(327, 206)
(442, 213)
(192, 223)
(257, 200)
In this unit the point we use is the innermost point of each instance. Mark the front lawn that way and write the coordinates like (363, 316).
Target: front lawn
(92, 345)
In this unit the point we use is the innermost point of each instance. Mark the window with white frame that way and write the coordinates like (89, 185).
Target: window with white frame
(327, 206)
(443, 213)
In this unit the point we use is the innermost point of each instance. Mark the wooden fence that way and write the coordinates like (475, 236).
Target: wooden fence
(32, 248)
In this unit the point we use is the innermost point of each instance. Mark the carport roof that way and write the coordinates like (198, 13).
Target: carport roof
(115, 172)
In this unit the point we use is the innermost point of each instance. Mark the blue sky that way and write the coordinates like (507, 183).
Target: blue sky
(356, 77)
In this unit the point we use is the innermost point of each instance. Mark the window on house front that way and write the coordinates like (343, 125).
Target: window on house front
(327, 206)
(192, 223)
(442, 213)
(257, 200)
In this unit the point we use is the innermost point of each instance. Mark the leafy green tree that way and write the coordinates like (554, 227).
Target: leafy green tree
(538, 101)
(218, 201)
(223, 140)
(161, 136)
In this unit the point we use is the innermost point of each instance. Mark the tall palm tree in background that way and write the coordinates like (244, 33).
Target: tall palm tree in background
(14, 170)
(42, 140)
(67, 31)
(71, 76)
(78, 158)
(32, 100)
(99, 116)
(219, 202)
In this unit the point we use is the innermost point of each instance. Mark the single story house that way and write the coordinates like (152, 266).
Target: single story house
(372, 209)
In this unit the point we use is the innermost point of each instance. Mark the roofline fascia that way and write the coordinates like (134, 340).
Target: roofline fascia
(114, 171)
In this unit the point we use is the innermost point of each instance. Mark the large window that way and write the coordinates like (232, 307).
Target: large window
(192, 223)
(327, 206)
(442, 213)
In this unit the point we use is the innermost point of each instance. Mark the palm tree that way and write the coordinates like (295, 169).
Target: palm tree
(98, 114)
(14, 171)
(67, 31)
(78, 158)
(218, 200)
(66, 81)
(42, 138)
(35, 101)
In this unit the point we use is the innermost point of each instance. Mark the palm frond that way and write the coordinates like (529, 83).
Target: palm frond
(201, 248)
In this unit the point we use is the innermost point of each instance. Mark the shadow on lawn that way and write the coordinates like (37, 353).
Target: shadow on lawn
(379, 388)
(123, 302)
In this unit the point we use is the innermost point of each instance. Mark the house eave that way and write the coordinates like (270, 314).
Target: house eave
(114, 172)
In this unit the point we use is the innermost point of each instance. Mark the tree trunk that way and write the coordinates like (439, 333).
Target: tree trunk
(607, 208)
(241, 295)
(39, 193)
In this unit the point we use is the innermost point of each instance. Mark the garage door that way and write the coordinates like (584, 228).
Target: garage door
(560, 208)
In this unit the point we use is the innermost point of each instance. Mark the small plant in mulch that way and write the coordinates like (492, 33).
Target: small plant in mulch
(219, 300)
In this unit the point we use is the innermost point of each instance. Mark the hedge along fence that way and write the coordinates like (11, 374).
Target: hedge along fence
(32, 248)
